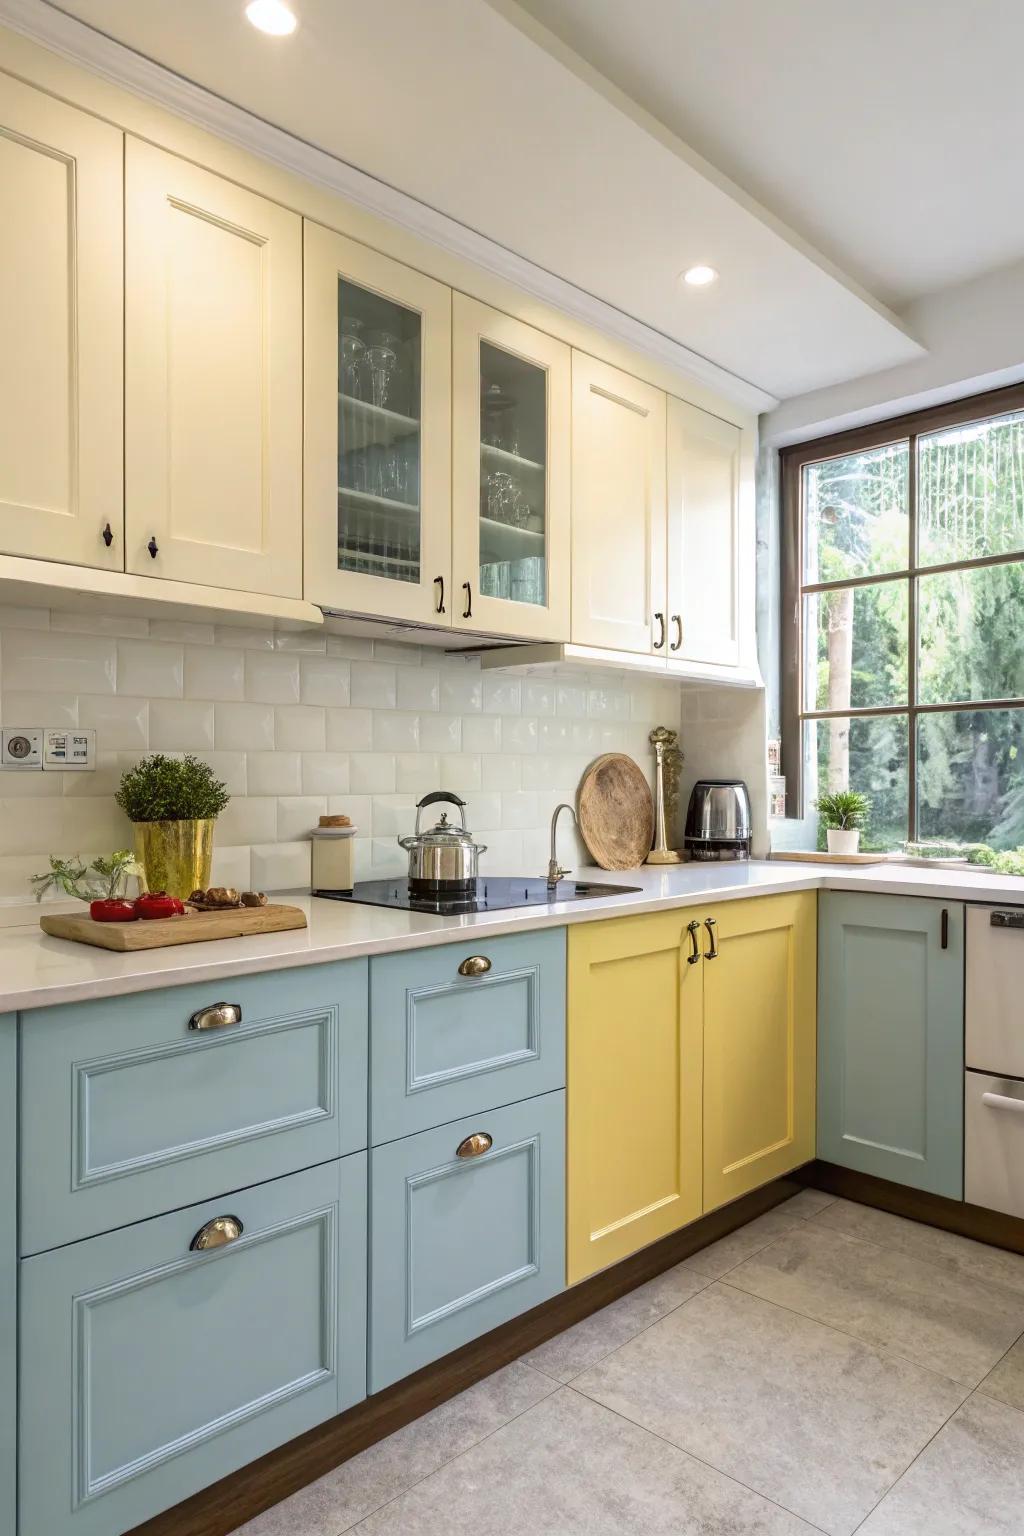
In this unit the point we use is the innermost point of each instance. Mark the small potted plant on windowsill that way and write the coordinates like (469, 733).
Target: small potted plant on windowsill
(172, 804)
(843, 813)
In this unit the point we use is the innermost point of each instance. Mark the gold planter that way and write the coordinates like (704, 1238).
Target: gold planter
(176, 855)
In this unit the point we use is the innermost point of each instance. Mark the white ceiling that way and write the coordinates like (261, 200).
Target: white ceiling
(491, 124)
(889, 133)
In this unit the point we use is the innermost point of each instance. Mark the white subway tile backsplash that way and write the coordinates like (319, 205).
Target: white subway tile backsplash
(395, 731)
(325, 680)
(271, 678)
(310, 724)
(373, 685)
(300, 728)
(274, 773)
(243, 727)
(349, 730)
(181, 725)
(214, 672)
(150, 668)
(42, 661)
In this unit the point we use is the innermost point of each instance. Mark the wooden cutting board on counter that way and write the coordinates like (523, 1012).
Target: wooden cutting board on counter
(814, 857)
(615, 808)
(233, 923)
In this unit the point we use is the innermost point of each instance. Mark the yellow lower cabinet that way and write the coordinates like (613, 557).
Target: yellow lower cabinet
(634, 1086)
(759, 1042)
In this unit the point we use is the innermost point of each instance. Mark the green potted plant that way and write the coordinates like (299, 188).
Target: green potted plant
(843, 813)
(173, 804)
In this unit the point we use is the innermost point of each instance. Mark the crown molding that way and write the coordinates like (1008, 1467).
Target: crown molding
(81, 44)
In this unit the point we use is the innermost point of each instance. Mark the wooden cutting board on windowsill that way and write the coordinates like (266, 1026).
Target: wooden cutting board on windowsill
(232, 923)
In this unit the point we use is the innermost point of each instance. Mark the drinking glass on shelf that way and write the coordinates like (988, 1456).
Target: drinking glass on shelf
(499, 428)
(352, 347)
(503, 499)
(379, 364)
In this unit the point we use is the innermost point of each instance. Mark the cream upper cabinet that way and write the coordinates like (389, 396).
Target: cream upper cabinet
(213, 379)
(61, 328)
(378, 433)
(511, 393)
(618, 510)
(703, 537)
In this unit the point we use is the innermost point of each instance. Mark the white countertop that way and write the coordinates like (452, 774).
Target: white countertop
(37, 971)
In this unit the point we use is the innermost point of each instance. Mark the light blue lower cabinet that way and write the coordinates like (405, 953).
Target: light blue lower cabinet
(459, 1244)
(149, 1370)
(8, 1272)
(891, 1038)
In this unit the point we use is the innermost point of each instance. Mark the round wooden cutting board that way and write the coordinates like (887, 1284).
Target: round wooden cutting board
(616, 812)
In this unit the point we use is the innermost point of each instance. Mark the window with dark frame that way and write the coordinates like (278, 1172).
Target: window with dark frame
(903, 622)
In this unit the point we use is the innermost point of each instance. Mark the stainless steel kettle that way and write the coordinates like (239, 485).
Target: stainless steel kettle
(718, 820)
(444, 858)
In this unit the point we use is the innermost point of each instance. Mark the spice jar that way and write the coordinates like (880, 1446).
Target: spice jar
(333, 854)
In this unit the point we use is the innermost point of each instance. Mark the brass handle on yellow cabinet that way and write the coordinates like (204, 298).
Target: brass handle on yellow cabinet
(216, 1233)
(712, 953)
(475, 965)
(217, 1016)
(677, 642)
(475, 1145)
(693, 929)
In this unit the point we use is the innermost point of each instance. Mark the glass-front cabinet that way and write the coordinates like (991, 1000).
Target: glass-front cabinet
(378, 433)
(511, 444)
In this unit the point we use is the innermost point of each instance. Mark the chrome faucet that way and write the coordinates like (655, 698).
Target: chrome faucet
(555, 871)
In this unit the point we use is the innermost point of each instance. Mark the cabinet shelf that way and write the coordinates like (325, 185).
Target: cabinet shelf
(375, 423)
(513, 463)
(384, 505)
(500, 541)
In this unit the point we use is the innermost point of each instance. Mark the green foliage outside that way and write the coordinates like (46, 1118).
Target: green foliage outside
(163, 788)
(970, 763)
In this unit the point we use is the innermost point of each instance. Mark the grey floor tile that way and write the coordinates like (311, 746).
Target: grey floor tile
(950, 1323)
(571, 1468)
(809, 1417)
(586, 1342)
(335, 1502)
(808, 1202)
(961, 1254)
(717, 1259)
(1006, 1381)
(968, 1482)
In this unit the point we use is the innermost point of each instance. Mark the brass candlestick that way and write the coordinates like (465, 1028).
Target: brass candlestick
(667, 762)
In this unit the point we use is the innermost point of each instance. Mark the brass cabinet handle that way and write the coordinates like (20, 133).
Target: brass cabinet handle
(475, 1145)
(439, 584)
(712, 953)
(221, 1230)
(475, 965)
(677, 643)
(217, 1016)
(659, 619)
(693, 929)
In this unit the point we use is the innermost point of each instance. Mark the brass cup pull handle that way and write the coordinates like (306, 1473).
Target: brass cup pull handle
(221, 1230)
(475, 965)
(217, 1016)
(677, 642)
(475, 1145)
(693, 929)
(712, 952)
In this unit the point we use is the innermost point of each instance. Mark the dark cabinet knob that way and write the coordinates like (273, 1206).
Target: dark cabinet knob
(153, 547)
(108, 535)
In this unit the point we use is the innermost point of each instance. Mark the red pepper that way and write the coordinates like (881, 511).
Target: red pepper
(114, 910)
(157, 904)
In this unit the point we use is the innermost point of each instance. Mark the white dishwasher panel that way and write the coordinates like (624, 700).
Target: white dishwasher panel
(994, 995)
(994, 1142)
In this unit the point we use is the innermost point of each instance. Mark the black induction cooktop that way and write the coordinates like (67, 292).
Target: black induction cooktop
(493, 893)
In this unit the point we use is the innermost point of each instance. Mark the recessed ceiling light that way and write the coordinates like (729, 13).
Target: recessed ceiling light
(699, 276)
(272, 16)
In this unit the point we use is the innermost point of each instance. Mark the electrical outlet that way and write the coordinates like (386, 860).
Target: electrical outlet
(21, 747)
(68, 751)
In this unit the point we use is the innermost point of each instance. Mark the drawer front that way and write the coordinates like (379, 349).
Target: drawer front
(994, 1142)
(149, 1370)
(459, 1245)
(447, 1044)
(126, 1111)
(995, 975)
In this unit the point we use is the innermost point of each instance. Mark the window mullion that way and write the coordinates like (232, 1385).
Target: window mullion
(912, 637)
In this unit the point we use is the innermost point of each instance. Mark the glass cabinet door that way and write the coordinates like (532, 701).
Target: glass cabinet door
(512, 387)
(378, 424)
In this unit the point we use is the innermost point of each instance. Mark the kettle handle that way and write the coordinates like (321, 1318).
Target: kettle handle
(432, 799)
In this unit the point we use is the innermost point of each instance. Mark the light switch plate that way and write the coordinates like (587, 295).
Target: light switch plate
(21, 748)
(68, 750)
